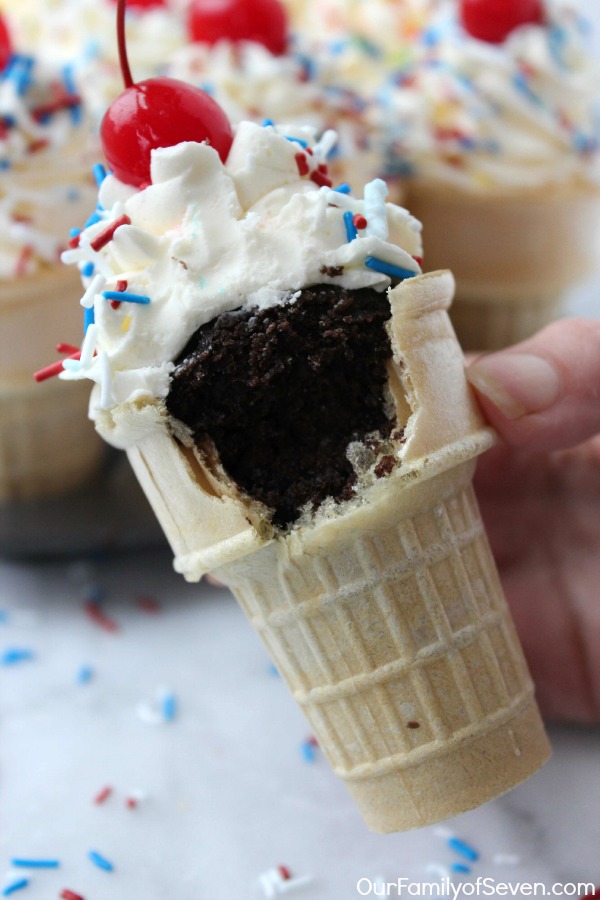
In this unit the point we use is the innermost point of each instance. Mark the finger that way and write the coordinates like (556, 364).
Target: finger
(544, 393)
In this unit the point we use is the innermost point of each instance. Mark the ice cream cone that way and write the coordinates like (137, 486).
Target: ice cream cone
(385, 615)
(47, 444)
(513, 256)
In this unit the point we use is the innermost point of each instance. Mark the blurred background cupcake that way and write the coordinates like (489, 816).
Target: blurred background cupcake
(495, 130)
(46, 444)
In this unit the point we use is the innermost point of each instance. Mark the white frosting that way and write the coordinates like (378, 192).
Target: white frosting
(480, 116)
(46, 184)
(207, 237)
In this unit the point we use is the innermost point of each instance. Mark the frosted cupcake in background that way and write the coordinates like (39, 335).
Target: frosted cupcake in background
(243, 53)
(46, 187)
(497, 131)
(81, 33)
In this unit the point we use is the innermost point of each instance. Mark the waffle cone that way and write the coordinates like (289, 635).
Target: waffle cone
(47, 444)
(385, 614)
(513, 257)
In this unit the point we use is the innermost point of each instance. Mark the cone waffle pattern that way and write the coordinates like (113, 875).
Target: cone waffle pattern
(399, 647)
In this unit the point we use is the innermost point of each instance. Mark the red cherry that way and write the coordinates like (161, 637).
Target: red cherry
(493, 20)
(5, 45)
(261, 21)
(159, 112)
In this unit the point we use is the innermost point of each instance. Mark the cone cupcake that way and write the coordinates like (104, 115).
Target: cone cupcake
(238, 294)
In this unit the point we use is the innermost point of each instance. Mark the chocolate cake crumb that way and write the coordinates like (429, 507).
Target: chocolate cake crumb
(281, 393)
(384, 466)
(332, 271)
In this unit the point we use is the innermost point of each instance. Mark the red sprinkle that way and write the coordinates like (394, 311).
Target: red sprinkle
(66, 894)
(418, 259)
(359, 221)
(121, 284)
(103, 795)
(26, 254)
(99, 617)
(41, 144)
(321, 179)
(106, 236)
(54, 368)
(302, 164)
(68, 101)
(131, 803)
(74, 241)
(149, 604)
(284, 872)
(66, 348)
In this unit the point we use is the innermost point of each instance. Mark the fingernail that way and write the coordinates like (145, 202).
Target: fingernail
(518, 384)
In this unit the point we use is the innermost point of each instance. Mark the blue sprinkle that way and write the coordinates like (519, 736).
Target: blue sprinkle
(351, 231)
(379, 265)
(88, 269)
(463, 849)
(460, 867)
(93, 219)
(169, 707)
(15, 886)
(88, 318)
(100, 861)
(296, 140)
(266, 123)
(308, 751)
(14, 655)
(99, 173)
(73, 195)
(73, 232)
(126, 297)
(521, 83)
(35, 863)
(84, 675)
(343, 188)
(4, 164)
(208, 88)
(273, 670)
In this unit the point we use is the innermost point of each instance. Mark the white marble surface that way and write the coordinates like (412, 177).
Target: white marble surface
(224, 791)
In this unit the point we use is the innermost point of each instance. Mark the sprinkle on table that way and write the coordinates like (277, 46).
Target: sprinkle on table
(95, 612)
(66, 894)
(103, 795)
(23, 863)
(15, 886)
(14, 655)
(100, 861)
(463, 849)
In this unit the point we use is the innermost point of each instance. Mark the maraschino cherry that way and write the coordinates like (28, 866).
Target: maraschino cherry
(493, 20)
(261, 21)
(158, 112)
(5, 45)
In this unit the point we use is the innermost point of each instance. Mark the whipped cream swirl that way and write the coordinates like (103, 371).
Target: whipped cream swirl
(206, 237)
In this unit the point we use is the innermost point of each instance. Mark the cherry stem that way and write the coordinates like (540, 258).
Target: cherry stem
(122, 44)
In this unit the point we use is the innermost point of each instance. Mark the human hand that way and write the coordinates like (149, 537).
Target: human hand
(539, 493)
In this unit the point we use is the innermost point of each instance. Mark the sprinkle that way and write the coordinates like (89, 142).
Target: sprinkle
(125, 297)
(360, 223)
(96, 614)
(321, 178)
(100, 861)
(379, 265)
(268, 123)
(103, 795)
(89, 318)
(14, 655)
(66, 894)
(131, 802)
(463, 849)
(106, 236)
(15, 886)
(99, 173)
(126, 323)
(93, 220)
(66, 348)
(506, 859)
(326, 144)
(54, 368)
(84, 675)
(25, 256)
(75, 240)
(87, 270)
(35, 863)
(307, 748)
(375, 210)
(302, 163)
(343, 188)
(460, 867)
(169, 707)
(351, 231)
(284, 872)
(297, 140)
(149, 604)
(95, 287)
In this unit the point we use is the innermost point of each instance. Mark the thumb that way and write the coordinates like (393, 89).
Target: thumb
(544, 393)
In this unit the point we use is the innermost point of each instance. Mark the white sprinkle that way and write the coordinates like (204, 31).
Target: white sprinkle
(324, 147)
(88, 346)
(375, 210)
(96, 286)
(506, 859)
